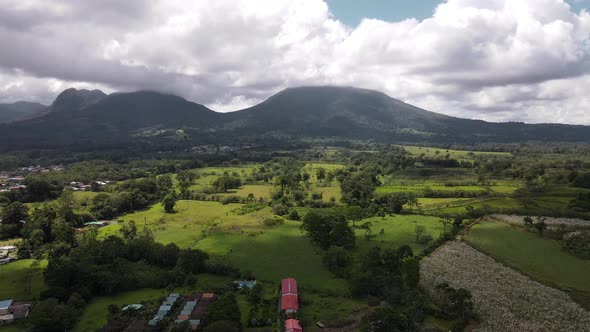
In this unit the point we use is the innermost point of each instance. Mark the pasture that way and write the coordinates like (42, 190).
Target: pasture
(539, 257)
(271, 253)
(455, 154)
(22, 280)
(398, 230)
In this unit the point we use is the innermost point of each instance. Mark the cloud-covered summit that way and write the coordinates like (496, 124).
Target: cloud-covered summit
(497, 60)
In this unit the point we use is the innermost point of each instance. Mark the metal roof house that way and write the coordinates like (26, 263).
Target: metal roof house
(289, 304)
(289, 286)
(293, 325)
(4, 306)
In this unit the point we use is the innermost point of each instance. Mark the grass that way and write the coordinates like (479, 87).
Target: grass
(332, 311)
(419, 187)
(274, 254)
(539, 257)
(270, 253)
(95, 314)
(398, 230)
(13, 278)
(191, 222)
(455, 154)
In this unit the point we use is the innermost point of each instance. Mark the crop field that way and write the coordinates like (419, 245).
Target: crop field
(504, 299)
(456, 154)
(539, 257)
(397, 231)
(420, 187)
(15, 276)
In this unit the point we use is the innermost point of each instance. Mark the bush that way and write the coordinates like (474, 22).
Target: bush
(424, 238)
(276, 220)
(230, 199)
(280, 209)
(294, 215)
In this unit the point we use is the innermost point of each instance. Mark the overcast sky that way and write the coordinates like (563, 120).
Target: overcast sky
(498, 60)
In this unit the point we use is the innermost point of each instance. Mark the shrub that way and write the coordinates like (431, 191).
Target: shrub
(230, 199)
(424, 238)
(276, 220)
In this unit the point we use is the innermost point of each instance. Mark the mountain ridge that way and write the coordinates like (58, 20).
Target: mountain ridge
(91, 116)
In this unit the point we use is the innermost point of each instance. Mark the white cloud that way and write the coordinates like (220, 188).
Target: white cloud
(496, 60)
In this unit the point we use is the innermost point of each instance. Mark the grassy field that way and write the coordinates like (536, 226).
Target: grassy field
(332, 311)
(398, 230)
(455, 154)
(96, 312)
(13, 278)
(539, 257)
(419, 187)
(280, 252)
(271, 253)
(192, 221)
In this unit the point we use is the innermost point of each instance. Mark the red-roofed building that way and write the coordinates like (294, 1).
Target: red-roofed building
(292, 325)
(289, 286)
(289, 304)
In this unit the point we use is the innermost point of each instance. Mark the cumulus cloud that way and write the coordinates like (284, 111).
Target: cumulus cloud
(499, 60)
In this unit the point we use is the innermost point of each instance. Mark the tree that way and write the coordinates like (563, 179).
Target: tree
(14, 214)
(164, 183)
(227, 182)
(337, 260)
(358, 189)
(222, 326)
(224, 309)
(354, 213)
(321, 174)
(129, 230)
(420, 230)
(328, 228)
(541, 226)
(411, 272)
(169, 202)
(445, 221)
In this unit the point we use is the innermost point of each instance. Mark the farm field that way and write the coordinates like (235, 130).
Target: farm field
(398, 230)
(13, 278)
(96, 312)
(332, 311)
(539, 257)
(417, 188)
(456, 154)
(502, 297)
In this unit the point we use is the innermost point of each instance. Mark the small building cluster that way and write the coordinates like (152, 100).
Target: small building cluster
(11, 311)
(92, 186)
(8, 254)
(14, 180)
(194, 310)
(164, 309)
(290, 304)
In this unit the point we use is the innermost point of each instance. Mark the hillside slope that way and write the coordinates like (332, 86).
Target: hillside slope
(19, 111)
(93, 119)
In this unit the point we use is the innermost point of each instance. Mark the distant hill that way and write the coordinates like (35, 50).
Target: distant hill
(19, 110)
(79, 117)
(365, 114)
(93, 119)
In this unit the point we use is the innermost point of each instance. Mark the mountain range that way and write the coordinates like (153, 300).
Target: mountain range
(93, 118)
(19, 111)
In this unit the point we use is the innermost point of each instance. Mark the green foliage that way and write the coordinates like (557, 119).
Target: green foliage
(224, 309)
(274, 221)
(328, 228)
(169, 202)
(358, 189)
(226, 182)
(13, 217)
(52, 316)
(338, 260)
